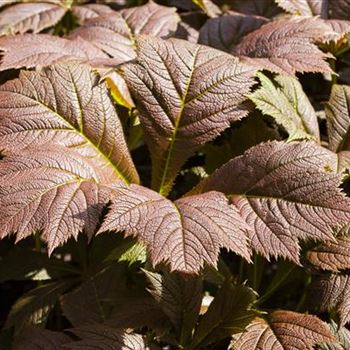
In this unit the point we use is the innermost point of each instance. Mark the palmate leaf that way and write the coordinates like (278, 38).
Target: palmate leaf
(226, 31)
(286, 46)
(180, 298)
(54, 187)
(338, 118)
(288, 104)
(333, 256)
(229, 313)
(187, 94)
(35, 17)
(98, 337)
(34, 338)
(114, 33)
(186, 233)
(283, 330)
(305, 7)
(285, 192)
(65, 104)
(332, 292)
(32, 50)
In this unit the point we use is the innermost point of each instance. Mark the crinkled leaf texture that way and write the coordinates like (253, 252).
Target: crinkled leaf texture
(114, 33)
(332, 256)
(226, 31)
(186, 233)
(332, 292)
(32, 50)
(286, 46)
(284, 330)
(289, 105)
(84, 12)
(99, 337)
(285, 192)
(338, 118)
(35, 338)
(35, 17)
(61, 137)
(187, 94)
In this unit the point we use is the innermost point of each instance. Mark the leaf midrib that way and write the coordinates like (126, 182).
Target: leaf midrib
(73, 128)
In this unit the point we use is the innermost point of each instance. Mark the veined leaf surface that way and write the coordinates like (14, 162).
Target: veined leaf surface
(285, 192)
(186, 233)
(187, 94)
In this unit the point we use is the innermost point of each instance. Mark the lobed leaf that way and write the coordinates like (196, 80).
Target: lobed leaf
(338, 118)
(284, 330)
(288, 104)
(226, 31)
(286, 46)
(285, 192)
(65, 104)
(114, 34)
(332, 256)
(332, 292)
(35, 17)
(32, 50)
(185, 233)
(187, 94)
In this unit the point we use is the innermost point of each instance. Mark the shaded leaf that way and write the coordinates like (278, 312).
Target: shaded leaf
(30, 50)
(332, 256)
(286, 46)
(340, 9)
(65, 104)
(285, 192)
(226, 31)
(332, 292)
(190, 98)
(33, 307)
(40, 339)
(284, 330)
(305, 7)
(229, 313)
(288, 104)
(98, 337)
(266, 8)
(33, 17)
(185, 233)
(87, 11)
(338, 118)
(180, 298)
(25, 264)
(93, 301)
(115, 34)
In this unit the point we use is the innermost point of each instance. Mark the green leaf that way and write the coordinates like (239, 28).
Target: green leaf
(288, 105)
